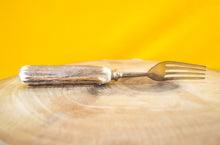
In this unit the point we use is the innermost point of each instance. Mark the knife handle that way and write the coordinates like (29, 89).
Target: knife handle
(64, 74)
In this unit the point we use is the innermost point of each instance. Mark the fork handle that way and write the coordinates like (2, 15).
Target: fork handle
(64, 74)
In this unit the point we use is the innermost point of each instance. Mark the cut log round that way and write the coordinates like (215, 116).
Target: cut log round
(130, 111)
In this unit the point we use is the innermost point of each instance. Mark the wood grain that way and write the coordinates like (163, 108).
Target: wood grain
(130, 111)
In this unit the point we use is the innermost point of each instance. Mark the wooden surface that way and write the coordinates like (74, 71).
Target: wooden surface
(130, 111)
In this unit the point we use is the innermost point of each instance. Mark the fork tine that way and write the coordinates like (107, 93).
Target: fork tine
(184, 78)
(174, 63)
(185, 68)
(185, 73)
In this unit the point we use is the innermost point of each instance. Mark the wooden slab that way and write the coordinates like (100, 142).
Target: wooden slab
(130, 111)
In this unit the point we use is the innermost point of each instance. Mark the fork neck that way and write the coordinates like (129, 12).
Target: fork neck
(116, 74)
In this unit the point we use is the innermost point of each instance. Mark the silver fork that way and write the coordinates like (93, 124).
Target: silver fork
(169, 70)
(71, 74)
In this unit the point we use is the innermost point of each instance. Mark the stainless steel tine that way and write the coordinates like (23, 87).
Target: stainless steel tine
(183, 78)
(185, 73)
(183, 66)
(178, 70)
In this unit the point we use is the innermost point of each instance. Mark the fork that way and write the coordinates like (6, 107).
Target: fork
(171, 70)
(71, 74)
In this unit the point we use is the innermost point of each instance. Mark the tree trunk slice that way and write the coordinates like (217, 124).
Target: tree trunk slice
(130, 111)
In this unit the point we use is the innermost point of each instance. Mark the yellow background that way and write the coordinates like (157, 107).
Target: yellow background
(66, 31)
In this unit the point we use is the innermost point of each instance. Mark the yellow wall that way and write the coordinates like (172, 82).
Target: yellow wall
(67, 31)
